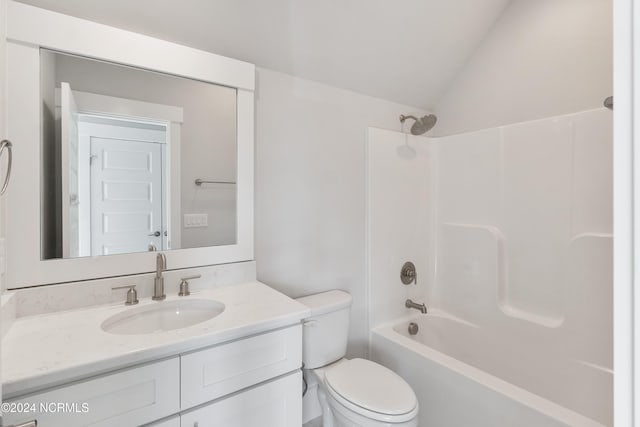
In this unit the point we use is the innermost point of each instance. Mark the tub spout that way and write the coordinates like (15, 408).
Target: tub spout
(410, 304)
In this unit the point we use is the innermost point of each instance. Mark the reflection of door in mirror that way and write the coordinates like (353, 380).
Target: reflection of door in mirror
(199, 124)
(126, 192)
(117, 189)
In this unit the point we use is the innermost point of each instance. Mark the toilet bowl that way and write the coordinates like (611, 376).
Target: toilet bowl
(359, 392)
(355, 392)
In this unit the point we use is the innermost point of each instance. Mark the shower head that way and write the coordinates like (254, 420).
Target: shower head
(422, 124)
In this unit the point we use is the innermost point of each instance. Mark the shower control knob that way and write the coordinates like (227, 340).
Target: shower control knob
(408, 273)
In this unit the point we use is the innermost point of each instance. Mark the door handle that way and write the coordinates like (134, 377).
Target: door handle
(157, 234)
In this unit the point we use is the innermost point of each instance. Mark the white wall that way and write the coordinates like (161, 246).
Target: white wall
(310, 182)
(542, 58)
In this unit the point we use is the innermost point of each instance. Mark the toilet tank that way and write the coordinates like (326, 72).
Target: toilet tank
(326, 330)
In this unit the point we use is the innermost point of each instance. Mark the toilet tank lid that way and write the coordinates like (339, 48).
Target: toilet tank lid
(326, 302)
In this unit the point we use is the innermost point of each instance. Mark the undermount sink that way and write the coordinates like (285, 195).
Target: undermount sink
(162, 316)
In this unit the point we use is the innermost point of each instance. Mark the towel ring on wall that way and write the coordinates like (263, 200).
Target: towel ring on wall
(5, 143)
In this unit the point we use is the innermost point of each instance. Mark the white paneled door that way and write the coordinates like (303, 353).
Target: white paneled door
(126, 191)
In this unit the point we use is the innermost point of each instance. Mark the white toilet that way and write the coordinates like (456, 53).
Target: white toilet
(356, 392)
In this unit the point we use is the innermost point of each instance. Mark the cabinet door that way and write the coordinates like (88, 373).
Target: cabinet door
(215, 372)
(277, 403)
(131, 397)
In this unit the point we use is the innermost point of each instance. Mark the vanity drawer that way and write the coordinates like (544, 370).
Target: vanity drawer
(217, 371)
(131, 397)
(277, 403)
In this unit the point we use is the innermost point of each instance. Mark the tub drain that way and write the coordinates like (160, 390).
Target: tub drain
(413, 328)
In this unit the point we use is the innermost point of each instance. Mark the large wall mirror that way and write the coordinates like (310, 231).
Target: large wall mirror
(133, 160)
(125, 145)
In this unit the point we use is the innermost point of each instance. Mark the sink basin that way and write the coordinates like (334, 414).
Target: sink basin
(162, 316)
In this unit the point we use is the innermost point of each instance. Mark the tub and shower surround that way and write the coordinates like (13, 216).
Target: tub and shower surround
(511, 232)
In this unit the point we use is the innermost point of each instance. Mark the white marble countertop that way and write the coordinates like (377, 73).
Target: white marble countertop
(50, 349)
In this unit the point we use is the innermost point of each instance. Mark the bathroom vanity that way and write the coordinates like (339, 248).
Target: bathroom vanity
(130, 146)
(238, 368)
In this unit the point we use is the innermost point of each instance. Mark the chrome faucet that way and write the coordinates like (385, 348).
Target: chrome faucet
(410, 304)
(158, 282)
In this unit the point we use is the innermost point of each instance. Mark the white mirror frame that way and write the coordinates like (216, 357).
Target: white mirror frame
(29, 29)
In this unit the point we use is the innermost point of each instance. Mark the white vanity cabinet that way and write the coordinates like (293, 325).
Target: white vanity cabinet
(217, 371)
(276, 403)
(253, 381)
(129, 397)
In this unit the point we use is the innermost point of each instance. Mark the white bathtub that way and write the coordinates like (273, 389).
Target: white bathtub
(463, 376)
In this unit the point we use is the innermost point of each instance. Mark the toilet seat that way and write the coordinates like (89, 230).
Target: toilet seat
(372, 391)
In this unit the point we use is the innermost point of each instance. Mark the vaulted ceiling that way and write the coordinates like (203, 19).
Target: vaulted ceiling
(407, 51)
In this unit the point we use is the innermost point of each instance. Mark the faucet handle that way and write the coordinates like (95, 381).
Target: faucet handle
(132, 294)
(408, 273)
(184, 285)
